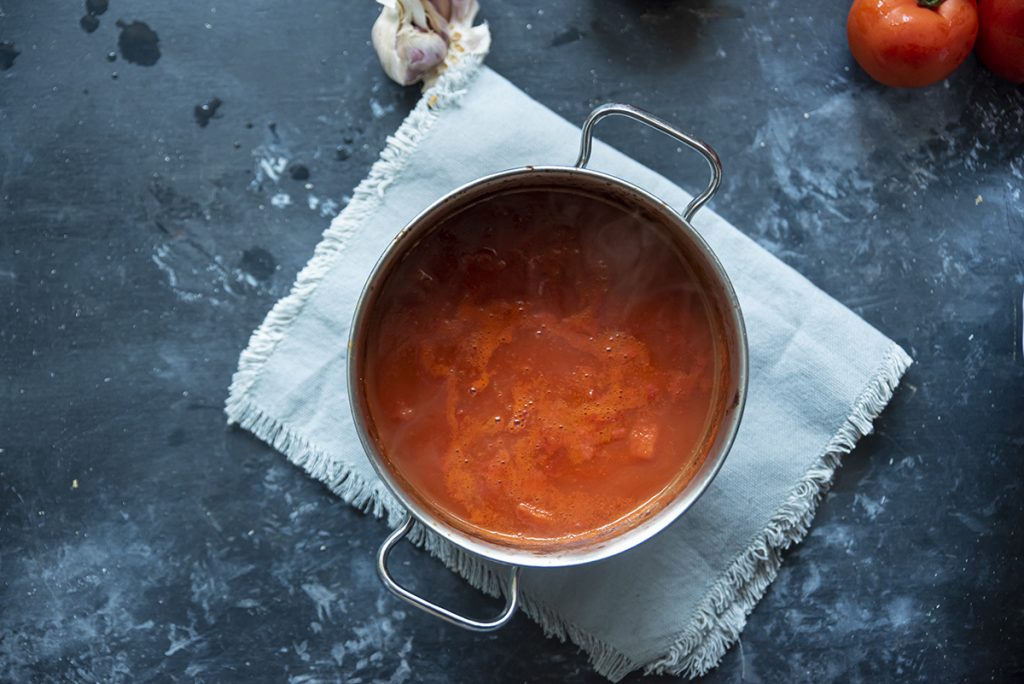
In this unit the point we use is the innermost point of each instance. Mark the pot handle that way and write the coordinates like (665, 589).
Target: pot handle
(401, 592)
(654, 122)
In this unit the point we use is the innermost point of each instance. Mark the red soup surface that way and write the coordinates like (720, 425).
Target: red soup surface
(543, 367)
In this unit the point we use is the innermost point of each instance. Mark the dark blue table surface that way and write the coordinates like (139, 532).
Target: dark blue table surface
(142, 539)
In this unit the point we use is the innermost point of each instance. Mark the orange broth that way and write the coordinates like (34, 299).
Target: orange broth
(543, 367)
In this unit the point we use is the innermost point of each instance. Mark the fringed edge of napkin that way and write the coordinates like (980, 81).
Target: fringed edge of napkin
(719, 618)
(365, 199)
(722, 614)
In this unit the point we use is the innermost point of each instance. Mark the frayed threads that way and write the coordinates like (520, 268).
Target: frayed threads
(447, 92)
(722, 614)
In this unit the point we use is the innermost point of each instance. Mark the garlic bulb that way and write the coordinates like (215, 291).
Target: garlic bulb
(416, 40)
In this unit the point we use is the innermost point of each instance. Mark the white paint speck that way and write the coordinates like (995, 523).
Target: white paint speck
(378, 110)
(323, 598)
(329, 208)
(281, 200)
(812, 583)
(159, 256)
(189, 637)
(870, 506)
(900, 611)
(272, 167)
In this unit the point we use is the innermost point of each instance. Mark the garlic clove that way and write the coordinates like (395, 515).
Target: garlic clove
(463, 11)
(406, 51)
(444, 7)
(416, 40)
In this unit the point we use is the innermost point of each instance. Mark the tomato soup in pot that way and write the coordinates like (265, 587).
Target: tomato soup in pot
(544, 368)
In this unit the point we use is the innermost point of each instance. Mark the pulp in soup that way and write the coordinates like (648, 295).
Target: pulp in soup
(542, 367)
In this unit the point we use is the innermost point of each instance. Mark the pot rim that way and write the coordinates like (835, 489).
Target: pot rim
(575, 554)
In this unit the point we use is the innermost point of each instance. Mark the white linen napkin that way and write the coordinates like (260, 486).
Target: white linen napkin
(818, 377)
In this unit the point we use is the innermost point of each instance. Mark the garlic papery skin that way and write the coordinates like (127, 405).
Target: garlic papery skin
(416, 40)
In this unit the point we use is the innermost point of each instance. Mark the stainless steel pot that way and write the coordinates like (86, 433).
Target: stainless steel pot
(678, 228)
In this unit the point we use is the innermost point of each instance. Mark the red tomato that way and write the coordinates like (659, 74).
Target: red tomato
(905, 44)
(1001, 40)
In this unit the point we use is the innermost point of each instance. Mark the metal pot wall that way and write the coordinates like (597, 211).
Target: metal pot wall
(678, 228)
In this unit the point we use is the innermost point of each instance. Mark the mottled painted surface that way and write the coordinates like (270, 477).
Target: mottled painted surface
(141, 539)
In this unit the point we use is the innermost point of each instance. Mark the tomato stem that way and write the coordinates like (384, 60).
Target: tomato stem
(930, 3)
